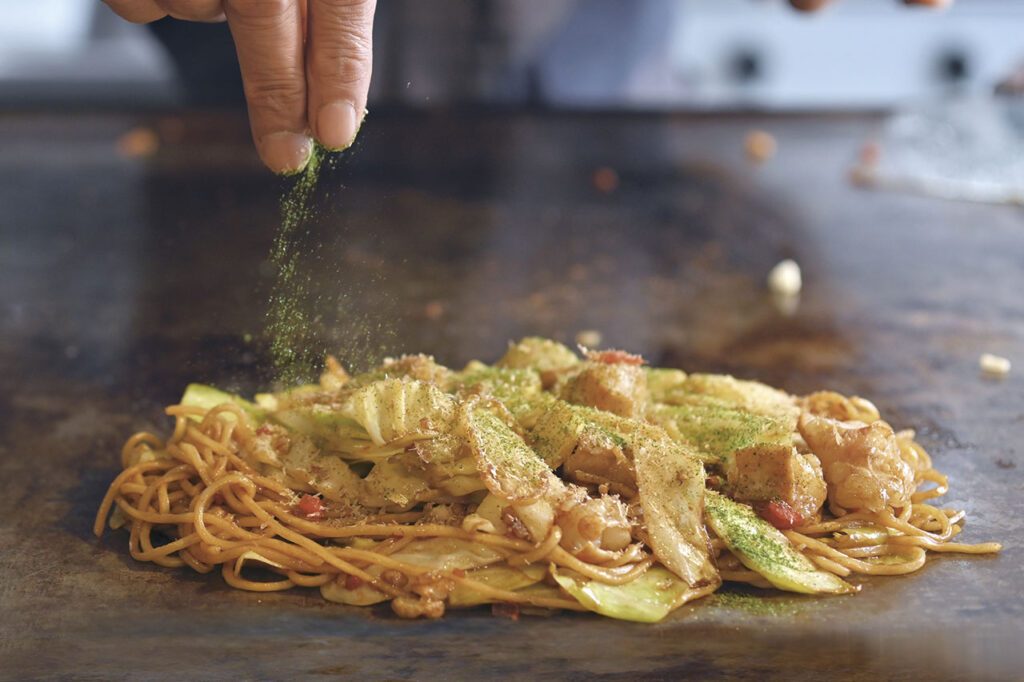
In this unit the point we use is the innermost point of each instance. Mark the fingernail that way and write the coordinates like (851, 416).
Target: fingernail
(285, 153)
(336, 125)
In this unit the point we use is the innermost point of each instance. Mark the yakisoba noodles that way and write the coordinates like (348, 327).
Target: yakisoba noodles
(546, 480)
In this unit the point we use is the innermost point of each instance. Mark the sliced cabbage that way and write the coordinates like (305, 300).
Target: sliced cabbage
(208, 397)
(499, 576)
(307, 464)
(540, 354)
(762, 548)
(660, 381)
(448, 554)
(715, 432)
(752, 396)
(394, 409)
(648, 599)
(556, 432)
(256, 558)
(507, 465)
(443, 554)
(328, 427)
(300, 395)
(504, 383)
(670, 481)
(393, 482)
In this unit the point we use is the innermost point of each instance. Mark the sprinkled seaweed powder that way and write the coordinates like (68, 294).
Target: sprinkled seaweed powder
(757, 605)
(305, 317)
(287, 319)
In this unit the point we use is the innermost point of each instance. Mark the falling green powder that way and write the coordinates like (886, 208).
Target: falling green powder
(303, 312)
(288, 323)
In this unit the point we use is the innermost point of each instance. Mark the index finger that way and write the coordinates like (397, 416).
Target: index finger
(268, 39)
(339, 62)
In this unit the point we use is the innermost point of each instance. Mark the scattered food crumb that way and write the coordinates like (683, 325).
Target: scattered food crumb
(605, 179)
(1005, 463)
(759, 145)
(589, 338)
(138, 143)
(433, 310)
(785, 278)
(994, 365)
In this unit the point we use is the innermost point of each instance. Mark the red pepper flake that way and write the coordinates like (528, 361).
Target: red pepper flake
(780, 514)
(353, 582)
(312, 507)
(264, 430)
(613, 357)
(458, 573)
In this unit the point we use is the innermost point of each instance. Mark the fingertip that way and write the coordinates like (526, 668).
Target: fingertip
(808, 5)
(285, 153)
(336, 125)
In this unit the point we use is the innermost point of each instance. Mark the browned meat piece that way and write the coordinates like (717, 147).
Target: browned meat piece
(764, 473)
(598, 458)
(620, 388)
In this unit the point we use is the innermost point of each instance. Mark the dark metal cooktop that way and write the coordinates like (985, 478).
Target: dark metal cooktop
(122, 278)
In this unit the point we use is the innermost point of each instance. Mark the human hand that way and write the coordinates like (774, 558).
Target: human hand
(811, 5)
(305, 66)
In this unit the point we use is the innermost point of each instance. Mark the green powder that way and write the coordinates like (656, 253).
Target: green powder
(757, 605)
(308, 316)
(287, 318)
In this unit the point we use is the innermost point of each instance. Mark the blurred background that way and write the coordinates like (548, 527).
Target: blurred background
(646, 54)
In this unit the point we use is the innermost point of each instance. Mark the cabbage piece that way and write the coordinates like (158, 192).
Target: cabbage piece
(300, 395)
(396, 482)
(448, 464)
(556, 433)
(752, 396)
(519, 390)
(762, 548)
(327, 426)
(507, 465)
(208, 397)
(395, 409)
(504, 383)
(500, 576)
(419, 367)
(660, 381)
(256, 558)
(308, 465)
(444, 554)
(715, 432)
(648, 599)
(540, 354)
(670, 483)
(447, 554)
